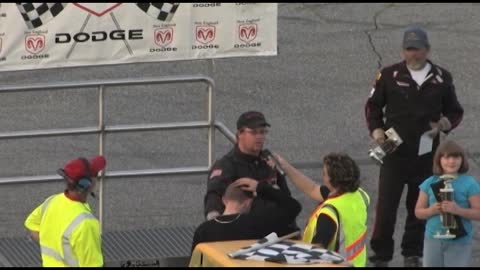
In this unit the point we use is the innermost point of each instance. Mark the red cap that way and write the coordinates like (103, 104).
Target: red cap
(76, 169)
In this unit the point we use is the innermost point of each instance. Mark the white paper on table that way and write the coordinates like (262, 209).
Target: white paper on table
(426, 144)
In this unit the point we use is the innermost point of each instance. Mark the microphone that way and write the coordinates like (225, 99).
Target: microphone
(267, 154)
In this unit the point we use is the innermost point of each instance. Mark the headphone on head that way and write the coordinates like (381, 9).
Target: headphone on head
(84, 183)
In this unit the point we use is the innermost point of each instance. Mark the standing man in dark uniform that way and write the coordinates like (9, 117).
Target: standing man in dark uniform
(244, 160)
(418, 97)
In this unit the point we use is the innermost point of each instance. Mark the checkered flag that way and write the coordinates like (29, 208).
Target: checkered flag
(264, 242)
(160, 11)
(270, 249)
(38, 14)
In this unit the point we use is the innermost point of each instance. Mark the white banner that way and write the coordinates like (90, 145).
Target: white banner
(49, 35)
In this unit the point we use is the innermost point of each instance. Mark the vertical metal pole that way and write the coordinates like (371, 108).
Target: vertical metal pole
(211, 126)
(211, 117)
(211, 67)
(101, 137)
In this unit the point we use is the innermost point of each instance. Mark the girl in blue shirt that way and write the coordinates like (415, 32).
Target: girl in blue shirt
(457, 252)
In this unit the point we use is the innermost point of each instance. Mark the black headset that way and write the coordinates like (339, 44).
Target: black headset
(83, 183)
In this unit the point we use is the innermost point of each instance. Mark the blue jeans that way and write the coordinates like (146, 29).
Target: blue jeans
(438, 253)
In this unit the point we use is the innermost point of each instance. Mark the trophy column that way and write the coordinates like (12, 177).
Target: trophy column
(448, 220)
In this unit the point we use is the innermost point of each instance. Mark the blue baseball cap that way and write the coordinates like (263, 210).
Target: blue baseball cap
(415, 37)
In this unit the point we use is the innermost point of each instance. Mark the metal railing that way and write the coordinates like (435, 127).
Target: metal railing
(101, 130)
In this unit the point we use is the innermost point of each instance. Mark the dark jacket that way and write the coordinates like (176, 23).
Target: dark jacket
(256, 224)
(233, 166)
(408, 107)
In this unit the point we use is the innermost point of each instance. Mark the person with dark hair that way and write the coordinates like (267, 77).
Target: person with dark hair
(417, 98)
(64, 226)
(244, 160)
(339, 223)
(449, 160)
(240, 221)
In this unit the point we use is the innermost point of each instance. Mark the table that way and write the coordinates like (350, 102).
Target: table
(214, 254)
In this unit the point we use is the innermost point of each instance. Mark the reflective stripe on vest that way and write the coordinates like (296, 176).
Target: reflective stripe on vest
(52, 253)
(68, 258)
(356, 247)
(365, 197)
(45, 205)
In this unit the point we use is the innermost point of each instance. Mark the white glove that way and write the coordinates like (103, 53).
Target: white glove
(433, 132)
(442, 125)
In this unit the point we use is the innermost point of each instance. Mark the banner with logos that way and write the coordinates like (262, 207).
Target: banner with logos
(50, 35)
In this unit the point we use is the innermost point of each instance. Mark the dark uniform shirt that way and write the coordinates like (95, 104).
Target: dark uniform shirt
(409, 108)
(233, 166)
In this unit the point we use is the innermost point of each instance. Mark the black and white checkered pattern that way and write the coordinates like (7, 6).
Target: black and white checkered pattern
(38, 14)
(270, 249)
(293, 253)
(160, 11)
(266, 241)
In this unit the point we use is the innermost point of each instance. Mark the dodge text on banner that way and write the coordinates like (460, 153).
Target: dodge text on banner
(49, 35)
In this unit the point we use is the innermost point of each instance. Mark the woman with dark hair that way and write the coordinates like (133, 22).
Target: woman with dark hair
(450, 168)
(339, 223)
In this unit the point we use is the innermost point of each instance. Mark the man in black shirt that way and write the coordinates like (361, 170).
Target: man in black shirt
(241, 222)
(244, 160)
(415, 97)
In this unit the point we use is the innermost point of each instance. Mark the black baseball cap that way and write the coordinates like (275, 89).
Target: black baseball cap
(252, 119)
(415, 37)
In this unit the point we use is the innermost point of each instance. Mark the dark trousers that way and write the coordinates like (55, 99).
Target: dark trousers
(395, 173)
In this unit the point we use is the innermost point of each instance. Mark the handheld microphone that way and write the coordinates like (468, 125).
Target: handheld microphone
(267, 154)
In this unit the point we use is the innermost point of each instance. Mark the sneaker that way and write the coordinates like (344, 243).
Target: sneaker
(412, 261)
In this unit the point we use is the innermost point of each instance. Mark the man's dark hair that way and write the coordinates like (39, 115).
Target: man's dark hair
(343, 172)
(235, 193)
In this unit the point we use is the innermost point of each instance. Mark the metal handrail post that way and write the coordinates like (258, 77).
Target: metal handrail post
(101, 148)
(211, 126)
(226, 132)
(211, 120)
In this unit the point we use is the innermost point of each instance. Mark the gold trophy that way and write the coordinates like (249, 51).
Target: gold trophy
(390, 144)
(448, 219)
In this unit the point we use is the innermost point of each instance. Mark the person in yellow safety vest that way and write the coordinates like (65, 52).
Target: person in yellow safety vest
(339, 223)
(67, 231)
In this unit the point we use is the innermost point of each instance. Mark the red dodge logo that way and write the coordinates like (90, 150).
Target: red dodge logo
(34, 43)
(205, 34)
(163, 36)
(247, 32)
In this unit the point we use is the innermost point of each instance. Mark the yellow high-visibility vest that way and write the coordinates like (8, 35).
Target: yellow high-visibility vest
(69, 233)
(349, 211)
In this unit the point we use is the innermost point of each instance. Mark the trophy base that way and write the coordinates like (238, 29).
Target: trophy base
(444, 236)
